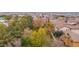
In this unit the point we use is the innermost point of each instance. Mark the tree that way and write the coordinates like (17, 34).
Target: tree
(38, 22)
(14, 27)
(25, 22)
(18, 24)
(5, 36)
(7, 17)
(39, 38)
(25, 41)
(49, 26)
(29, 22)
(22, 23)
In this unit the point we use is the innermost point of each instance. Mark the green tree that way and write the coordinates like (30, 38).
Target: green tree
(7, 17)
(25, 41)
(18, 24)
(23, 22)
(5, 36)
(14, 27)
(29, 22)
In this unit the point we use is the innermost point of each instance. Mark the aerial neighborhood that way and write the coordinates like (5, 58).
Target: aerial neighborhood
(38, 29)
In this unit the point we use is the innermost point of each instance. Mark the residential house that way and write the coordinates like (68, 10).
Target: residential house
(71, 38)
(58, 23)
